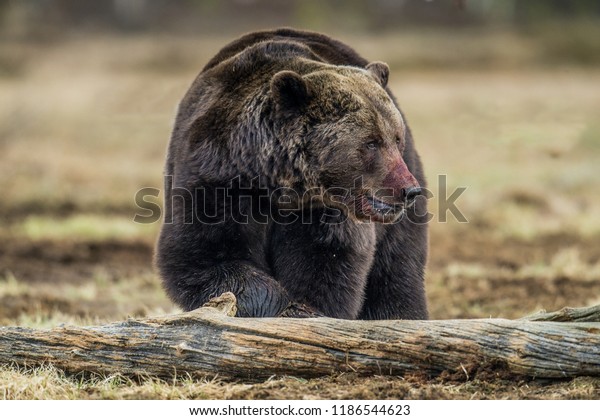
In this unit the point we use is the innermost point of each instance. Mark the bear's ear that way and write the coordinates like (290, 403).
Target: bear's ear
(289, 90)
(380, 71)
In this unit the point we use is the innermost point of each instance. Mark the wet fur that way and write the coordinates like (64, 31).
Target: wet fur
(229, 126)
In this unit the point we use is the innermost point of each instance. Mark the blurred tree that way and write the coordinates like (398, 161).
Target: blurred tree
(235, 16)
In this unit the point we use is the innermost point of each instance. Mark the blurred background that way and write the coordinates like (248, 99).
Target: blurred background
(503, 98)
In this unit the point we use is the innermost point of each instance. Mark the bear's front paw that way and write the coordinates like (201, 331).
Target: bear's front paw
(299, 310)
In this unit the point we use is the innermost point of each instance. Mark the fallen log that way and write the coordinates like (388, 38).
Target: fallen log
(210, 341)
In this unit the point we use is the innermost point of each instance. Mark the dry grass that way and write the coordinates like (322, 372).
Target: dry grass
(84, 125)
(46, 382)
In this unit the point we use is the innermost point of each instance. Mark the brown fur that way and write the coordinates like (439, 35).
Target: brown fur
(294, 119)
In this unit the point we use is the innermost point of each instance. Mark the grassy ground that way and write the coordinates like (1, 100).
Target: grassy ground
(84, 125)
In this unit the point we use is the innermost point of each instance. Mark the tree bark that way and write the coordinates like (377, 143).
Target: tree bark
(209, 341)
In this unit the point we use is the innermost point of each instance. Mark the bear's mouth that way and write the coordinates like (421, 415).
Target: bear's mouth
(382, 207)
(374, 209)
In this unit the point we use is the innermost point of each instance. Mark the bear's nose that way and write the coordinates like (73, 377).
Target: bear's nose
(411, 193)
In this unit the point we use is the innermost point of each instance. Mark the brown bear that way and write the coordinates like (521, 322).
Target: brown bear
(292, 181)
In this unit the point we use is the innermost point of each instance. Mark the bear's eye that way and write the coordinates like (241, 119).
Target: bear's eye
(400, 143)
(372, 145)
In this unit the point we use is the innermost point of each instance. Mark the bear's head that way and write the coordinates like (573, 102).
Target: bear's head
(350, 137)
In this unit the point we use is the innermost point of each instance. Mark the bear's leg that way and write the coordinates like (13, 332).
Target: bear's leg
(395, 288)
(323, 265)
(199, 262)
